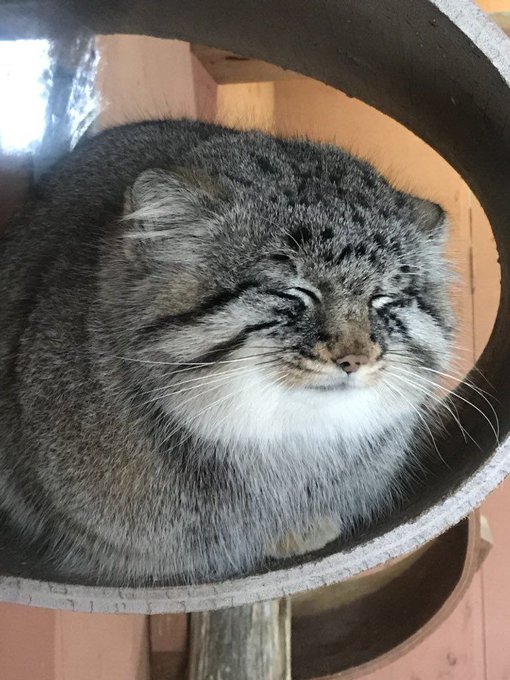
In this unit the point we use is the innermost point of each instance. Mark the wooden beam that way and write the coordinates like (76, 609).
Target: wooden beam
(242, 643)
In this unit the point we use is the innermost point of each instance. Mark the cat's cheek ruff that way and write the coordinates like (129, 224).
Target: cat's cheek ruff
(251, 409)
(429, 340)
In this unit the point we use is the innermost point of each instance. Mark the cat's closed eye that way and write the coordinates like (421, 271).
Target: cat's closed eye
(280, 257)
(308, 295)
(381, 300)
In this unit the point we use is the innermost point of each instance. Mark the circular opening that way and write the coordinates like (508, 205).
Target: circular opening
(440, 83)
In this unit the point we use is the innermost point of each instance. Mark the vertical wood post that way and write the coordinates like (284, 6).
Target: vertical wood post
(242, 643)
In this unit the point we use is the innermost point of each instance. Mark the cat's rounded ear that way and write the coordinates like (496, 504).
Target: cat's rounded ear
(431, 219)
(159, 198)
(164, 212)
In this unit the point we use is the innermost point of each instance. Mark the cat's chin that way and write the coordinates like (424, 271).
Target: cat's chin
(352, 382)
(343, 386)
(337, 380)
(266, 413)
(335, 387)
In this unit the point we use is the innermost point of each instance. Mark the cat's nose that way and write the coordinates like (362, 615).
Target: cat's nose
(352, 362)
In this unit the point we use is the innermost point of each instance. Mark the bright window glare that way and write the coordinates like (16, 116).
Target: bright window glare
(23, 89)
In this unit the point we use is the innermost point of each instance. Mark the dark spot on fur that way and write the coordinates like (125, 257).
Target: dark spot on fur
(395, 247)
(357, 216)
(302, 235)
(307, 352)
(362, 201)
(328, 254)
(360, 250)
(396, 324)
(210, 305)
(291, 197)
(239, 180)
(265, 165)
(327, 233)
(347, 251)
(430, 310)
(380, 240)
(369, 180)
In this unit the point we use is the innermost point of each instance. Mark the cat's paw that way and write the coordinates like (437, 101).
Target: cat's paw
(313, 538)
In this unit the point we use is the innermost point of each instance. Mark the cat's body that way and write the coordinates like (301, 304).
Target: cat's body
(180, 392)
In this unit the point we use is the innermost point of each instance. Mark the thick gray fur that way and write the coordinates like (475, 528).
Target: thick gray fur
(175, 299)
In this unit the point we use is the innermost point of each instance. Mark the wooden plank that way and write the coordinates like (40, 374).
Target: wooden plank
(27, 643)
(492, 6)
(486, 277)
(141, 77)
(248, 106)
(101, 647)
(496, 593)
(454, 652)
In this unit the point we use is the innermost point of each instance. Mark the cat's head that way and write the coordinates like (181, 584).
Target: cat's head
(277, 287)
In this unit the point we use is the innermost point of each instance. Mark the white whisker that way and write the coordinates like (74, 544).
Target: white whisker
(458, 396)
(185, 363)
(441, 402)
(216, 382)
(423, 420)
(208, 376)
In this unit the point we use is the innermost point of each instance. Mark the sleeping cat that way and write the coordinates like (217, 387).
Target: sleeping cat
(212, 351)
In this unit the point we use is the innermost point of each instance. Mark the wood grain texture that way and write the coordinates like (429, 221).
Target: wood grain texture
(243, 643)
